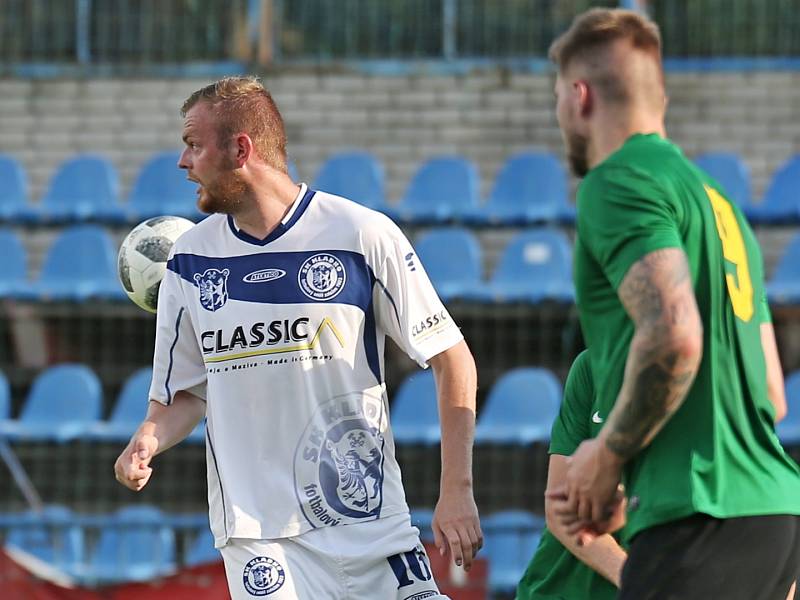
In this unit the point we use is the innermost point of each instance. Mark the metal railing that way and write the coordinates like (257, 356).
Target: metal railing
(123, 36)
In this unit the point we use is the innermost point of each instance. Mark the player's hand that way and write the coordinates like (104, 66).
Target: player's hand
(585, 531)
(456, 526)
(592, 477)
(132, 468)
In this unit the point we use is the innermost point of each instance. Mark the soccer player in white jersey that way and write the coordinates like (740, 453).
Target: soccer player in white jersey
(272, 319)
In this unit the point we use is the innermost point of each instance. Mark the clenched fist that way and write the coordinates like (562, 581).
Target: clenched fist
(132, 468)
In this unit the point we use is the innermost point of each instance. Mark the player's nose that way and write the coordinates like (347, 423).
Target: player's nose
(183, 160)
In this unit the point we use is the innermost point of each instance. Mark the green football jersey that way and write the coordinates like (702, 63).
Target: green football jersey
(554, 573)
(718, 454)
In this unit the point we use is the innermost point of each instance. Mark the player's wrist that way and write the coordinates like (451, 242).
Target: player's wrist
(606, 454)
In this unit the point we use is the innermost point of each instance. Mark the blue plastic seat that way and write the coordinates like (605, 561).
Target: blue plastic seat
(789, 428)
(84, 187)
(782, 200)
(5, 398)
(51, 536)
(63, 404)
(14, 203)
(422, 519)
(80, 265)
(784, 287)
(732, 174)
(510, 539)
(535, 266)
(452, 259)
(161, 188)
(14, 274)
(415, 410)
(135, 544)
(202, 550)
(443, 189)
(531, 187)
(520, 409)
(357, 176)
(129, 409)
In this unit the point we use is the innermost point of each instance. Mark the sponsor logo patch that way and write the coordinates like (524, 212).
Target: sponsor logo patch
(263, 275)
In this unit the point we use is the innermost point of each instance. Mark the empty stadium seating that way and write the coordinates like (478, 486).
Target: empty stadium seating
(535, 266)
(161, 188)
(14, 201)
(452, 259)
(520, 409)
(531, 187)
(781, 202)
(442, 190)
(510, 538)
(14, 274)
(415, 412)
(63, 403)
(784, 287)
(85, 187)
(357, 176)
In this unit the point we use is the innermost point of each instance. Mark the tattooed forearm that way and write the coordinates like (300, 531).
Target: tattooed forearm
(665, 351)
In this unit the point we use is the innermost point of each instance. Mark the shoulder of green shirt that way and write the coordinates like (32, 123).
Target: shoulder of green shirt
(571, 426)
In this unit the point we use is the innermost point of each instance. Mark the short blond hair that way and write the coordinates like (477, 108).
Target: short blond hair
(597, 28)
(243, 105)
(593, 33)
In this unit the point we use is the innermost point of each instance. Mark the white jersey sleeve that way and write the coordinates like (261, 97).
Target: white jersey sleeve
(177, 362)
(407, 306)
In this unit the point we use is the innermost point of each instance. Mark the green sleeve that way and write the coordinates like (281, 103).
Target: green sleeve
(622, 216)
(764, 313)
(572, 425)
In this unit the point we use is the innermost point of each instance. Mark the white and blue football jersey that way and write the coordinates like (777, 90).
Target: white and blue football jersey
(284, 338)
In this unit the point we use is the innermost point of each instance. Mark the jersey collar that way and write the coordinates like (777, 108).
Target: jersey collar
(296, 211)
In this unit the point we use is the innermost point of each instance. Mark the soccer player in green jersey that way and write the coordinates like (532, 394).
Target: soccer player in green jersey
(560, 569)
(668, 279)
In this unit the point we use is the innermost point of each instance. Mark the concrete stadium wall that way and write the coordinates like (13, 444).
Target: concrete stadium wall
(403, 120)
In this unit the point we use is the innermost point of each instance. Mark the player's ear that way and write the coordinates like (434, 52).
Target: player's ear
(584, 97)
(244, 149)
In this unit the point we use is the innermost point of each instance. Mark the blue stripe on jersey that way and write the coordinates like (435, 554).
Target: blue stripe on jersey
(279, 230)
(275, 277)
(171, 350)
(371, 343)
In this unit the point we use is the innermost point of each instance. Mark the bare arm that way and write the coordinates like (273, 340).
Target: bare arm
(603, 554)
(456, 523)
(665, 351)
(775, 389)
(162, 428)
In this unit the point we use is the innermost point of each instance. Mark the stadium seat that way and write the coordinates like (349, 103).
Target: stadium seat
(452, 259)
(530, 188)
(80, 265)
(84, 187)
(782, 200)
(443, 189)
(14, 275)
(161, 188)
(129, 409)
(732, 174)
(520, 409)
(415, 410)
(14, 204)
(202, 550)
(535, 266)
(357, 176)
(5, 398)
(422, 519)
(63, 404)
(52, 536)
(789, 428)
(784, 287)
(135, 544)
(510, 540)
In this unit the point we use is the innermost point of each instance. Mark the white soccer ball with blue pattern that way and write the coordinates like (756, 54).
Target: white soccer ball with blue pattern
(142, 259)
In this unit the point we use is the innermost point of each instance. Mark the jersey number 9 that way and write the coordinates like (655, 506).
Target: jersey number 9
(740, 287)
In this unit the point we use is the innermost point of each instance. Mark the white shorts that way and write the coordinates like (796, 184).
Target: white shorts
(376, 560)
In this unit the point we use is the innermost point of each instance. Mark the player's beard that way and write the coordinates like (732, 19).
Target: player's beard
(578, 153)
(224, 195)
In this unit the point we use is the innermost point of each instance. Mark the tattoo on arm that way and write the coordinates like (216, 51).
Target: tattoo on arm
(665, 351)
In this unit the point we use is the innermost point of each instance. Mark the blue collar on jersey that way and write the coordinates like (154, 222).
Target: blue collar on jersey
(280, 229)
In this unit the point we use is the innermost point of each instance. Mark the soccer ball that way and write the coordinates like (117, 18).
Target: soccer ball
(142, 259)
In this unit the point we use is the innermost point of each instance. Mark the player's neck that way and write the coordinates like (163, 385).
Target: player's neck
(610, 134)
(267, 203)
